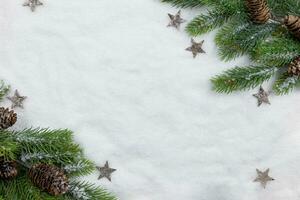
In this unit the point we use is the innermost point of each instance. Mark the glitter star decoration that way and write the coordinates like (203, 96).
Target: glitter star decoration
(262, 96)
(106, 171)
(175, 20)
(263, 177)
(33, 4)
(17, 100)
(196, 47)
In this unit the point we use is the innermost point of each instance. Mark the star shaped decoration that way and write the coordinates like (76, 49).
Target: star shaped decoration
(196, 47)
(106, 171)
(175, 20)
(263, 177)
(33, 4)
(262, 96)
(17, 100)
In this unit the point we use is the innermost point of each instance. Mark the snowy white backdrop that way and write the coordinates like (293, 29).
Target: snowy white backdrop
(112, 72)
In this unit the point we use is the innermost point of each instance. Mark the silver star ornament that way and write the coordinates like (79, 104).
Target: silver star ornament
(17, 100)
(33, 4)
(106, 171)
(262, 96)
(175, 20)
(196, 47)
(263, 177)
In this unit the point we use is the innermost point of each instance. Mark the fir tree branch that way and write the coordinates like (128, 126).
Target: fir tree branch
(49, 146)
(8, 148)
(42, 135)
(268, 44)
(286, 7)
(242, 78)
(81, 167)
(20, 189)
(240, 37)
(285, 84)
(54, 157)
(278, 51)
(4, 89)
(185, 3)
(207, 22)
(87, 191)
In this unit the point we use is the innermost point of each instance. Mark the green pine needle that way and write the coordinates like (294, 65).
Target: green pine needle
(8, 148)
(84, 190)
(207, 22)
(239, 37)
(4, 89)
(242, 78)
(185, 3)
(81, 167)
(48, 146)
(20, 189)
(278, 51)
(285, 84)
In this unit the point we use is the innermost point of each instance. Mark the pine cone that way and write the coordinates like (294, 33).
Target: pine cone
(258, 10)
(49, 178)
(293, 25)
(8, 169)
(294, 67)
(7, 118)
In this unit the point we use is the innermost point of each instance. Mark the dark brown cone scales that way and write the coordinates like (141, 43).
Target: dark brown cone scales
(258, 10)
(293, 25)
(8, 169)
(294, 67)
(49, 178)
(7, 118)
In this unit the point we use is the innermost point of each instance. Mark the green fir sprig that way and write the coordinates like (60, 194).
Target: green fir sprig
(57, 147)
(4, 89)
(270, 45)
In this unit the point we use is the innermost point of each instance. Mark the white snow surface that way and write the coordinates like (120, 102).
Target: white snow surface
(112, 72)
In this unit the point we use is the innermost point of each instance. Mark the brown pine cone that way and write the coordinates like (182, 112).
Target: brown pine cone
(293, 25)
(7, 118)
(8, 169)
(294, 67)
(258, 10)
(49, 178)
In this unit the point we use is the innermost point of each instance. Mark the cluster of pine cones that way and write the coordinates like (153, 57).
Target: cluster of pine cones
(260, 13)
(8, 168)
(48, 178)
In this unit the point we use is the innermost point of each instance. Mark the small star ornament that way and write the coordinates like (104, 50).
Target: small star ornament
(196, 47)
(262, 96)
(33, 4)
(106, 171)
(263, 177)
(17, 100)
(175, 20)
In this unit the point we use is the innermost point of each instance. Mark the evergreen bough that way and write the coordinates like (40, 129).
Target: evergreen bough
(271, 45)
(56, 147)
(51, 148)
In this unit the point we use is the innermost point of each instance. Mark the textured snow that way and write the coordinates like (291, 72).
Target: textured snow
(112, 72)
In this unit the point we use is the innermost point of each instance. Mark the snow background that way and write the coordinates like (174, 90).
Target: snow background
(112, 72)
